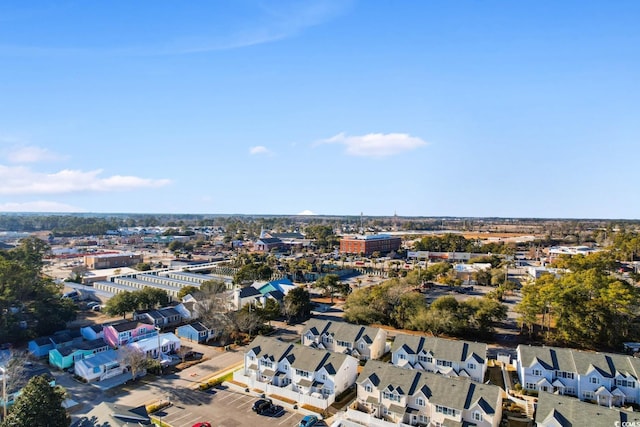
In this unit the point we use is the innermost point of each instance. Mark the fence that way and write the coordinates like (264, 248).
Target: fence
(302, 399)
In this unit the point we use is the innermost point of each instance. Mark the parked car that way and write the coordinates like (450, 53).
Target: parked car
(193, 355)
(202, 424)
(270, 410)
(308, 421)
(260, 403)
(97, 307)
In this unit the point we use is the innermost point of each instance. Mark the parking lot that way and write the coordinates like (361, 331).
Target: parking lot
(221, 408)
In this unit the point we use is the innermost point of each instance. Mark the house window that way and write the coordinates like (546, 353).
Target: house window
(563, 374)
(536, 373)
(361, 346)
(571, 391)
(328, 340)
(530, 386)
(391, 396)
(444, 363)
(267, 364)
(324, 376)
(594, 380)
(344, 344)
(402, 356)
(477, 416)
(471, 365)
(301, 373)
(420, 401)
(423, 419)
(587, 395)
(625, 383)
(446, 411)
(367, 388)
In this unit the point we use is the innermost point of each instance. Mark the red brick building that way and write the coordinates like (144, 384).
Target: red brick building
(367, 245)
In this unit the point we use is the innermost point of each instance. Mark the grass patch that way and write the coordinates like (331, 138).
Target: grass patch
(214, 382)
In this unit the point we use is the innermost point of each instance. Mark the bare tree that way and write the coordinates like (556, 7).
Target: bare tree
(135, 359)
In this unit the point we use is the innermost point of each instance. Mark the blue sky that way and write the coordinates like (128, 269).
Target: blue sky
(424, 108)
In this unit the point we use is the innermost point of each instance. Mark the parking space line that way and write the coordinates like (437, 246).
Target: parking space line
(226, 396)
(238, 398)
(287, 419)
(180, 417)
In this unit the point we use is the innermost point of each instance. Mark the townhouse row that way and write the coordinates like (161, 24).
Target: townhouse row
(604, 378)
(387, 395)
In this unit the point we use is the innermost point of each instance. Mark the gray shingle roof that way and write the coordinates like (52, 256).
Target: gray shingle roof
(569, 411)
(441, 348)
(581, 362)
(300, 357)
(342, 331)
(457, 393)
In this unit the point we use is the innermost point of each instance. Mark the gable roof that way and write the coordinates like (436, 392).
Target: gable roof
(342, 331)
(456, 393)
(111, 414)
(581, 362)
(569, 411)
(249, 291)
(441, 348)
(300, 357)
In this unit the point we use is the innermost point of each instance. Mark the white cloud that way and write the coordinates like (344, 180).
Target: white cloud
(259, 149)
(38, 206)
(376, 144)
(21, 180)
(31, 154)
(306, 212)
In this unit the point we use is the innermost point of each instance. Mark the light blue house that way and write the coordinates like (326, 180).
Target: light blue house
(92, 332)
(40, 347)
(105, 365)
(195, 331)
(65, 357)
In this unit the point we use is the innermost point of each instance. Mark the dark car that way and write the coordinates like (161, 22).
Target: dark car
(260, 403)
(270, 410)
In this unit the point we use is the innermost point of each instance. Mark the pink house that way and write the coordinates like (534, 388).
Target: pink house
(127, 332)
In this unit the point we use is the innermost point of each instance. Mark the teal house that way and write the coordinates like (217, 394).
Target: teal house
(65, 357)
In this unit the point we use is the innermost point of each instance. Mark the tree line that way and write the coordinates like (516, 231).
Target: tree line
(30, 302)
(396, 303)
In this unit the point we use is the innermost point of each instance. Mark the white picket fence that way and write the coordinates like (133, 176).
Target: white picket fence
(269, 389)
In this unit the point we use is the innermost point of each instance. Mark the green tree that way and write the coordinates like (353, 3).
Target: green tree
(39, 404)
(149, 298)
(143, 266)
(186, 290)
(297, 304)
(121, 304)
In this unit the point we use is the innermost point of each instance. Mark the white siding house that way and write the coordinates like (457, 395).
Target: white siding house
(451, 358)
(305, 374)
(363, 342)
(604, 378)
(413, 397)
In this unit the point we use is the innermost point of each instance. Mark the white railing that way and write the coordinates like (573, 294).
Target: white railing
(287, 393)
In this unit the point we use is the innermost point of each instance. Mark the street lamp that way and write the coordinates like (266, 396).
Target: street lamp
(4, 392)
(157, 328)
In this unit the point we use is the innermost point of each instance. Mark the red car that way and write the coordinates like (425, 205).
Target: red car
(203, 424)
